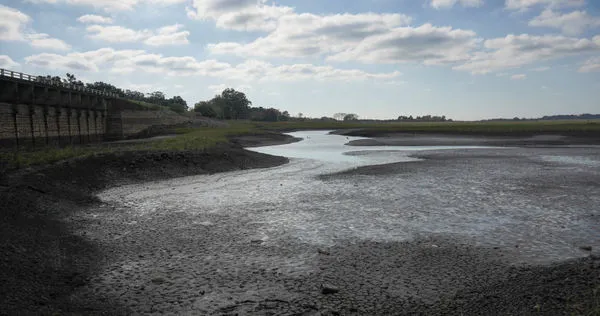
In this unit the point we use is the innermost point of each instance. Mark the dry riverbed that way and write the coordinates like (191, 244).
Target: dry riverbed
(70, 252)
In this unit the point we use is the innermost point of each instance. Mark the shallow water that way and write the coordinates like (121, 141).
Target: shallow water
(290, 203)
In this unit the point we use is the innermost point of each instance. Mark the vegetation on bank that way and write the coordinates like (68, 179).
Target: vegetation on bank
(207, 137)
(186, 139)
(156, 100)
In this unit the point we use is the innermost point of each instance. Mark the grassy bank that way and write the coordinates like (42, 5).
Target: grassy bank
(577, 128)
(187, 139)
(208, 137)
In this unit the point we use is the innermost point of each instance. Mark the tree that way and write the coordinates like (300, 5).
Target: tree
(236, 104)
(232, 104)
(157, 97)
(177, 104)
(350, 117)
(205, 108)
(134, 95)
(107, 87)
(70, 78)
(285, 116)
(339, 116)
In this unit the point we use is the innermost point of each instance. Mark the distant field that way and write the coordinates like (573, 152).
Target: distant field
(570, 127)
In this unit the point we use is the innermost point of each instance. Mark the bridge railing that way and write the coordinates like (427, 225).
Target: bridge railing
(5, 73)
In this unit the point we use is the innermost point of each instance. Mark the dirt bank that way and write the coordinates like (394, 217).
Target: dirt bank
(43, 260)
(381, 138)
(263, 139)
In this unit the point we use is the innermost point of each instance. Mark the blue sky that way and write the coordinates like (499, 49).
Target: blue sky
(466, 59)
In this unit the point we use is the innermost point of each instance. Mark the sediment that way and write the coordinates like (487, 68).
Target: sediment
(50, 263)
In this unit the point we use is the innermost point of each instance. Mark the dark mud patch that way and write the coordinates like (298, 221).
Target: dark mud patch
(436, 276)
(263, 139)
(46, 254)
(380, 138)
(43, 261)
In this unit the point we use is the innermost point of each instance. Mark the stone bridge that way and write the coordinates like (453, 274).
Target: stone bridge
(36, 111)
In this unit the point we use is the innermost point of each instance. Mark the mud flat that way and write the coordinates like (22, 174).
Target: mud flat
(416, 139)
(45, 260)
(450, 232)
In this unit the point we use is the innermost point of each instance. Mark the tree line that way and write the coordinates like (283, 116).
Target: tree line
(560, 117)
(234, 105)
(424, 118)
(175, 103)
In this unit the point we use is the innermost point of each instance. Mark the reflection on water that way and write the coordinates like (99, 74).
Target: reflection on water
(290, 204)
(325, 147)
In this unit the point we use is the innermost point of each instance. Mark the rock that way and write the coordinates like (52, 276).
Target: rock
(323, 252)
(329, 289)
(586, 248)
(158, 280)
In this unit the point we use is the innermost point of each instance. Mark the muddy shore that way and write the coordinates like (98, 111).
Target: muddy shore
(43, 261)
(380, 138)
(52, 222)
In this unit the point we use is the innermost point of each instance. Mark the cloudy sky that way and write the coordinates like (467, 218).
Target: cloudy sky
(467, 59)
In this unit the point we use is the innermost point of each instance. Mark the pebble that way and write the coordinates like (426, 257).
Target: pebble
(329, 289)
(586, 248)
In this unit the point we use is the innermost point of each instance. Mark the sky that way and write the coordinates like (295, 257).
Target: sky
(466, 59)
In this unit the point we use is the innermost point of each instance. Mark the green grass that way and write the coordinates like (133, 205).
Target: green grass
(200, 138)
(47, 155)
(187, 139)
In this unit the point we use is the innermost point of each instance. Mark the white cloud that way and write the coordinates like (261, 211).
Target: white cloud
(7, 62)
(110, 5)
(241, 15)
(12, 23)
(443, 4)
(427, 44)
(522, 5)
(95, 19)
(302, 35)
(13, 27)
(255, 15)
(365, 37)
(126, 61)
(217, 89)
(540, 69)
(141, 87)
(514, 51)
(591, 65)
(167, 35)
(115, 34)
(572, 23)
(41, 40)
(55, 61)
(518, 77)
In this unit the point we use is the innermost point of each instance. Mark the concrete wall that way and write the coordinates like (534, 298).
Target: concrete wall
(33, 125)
(35, 114)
